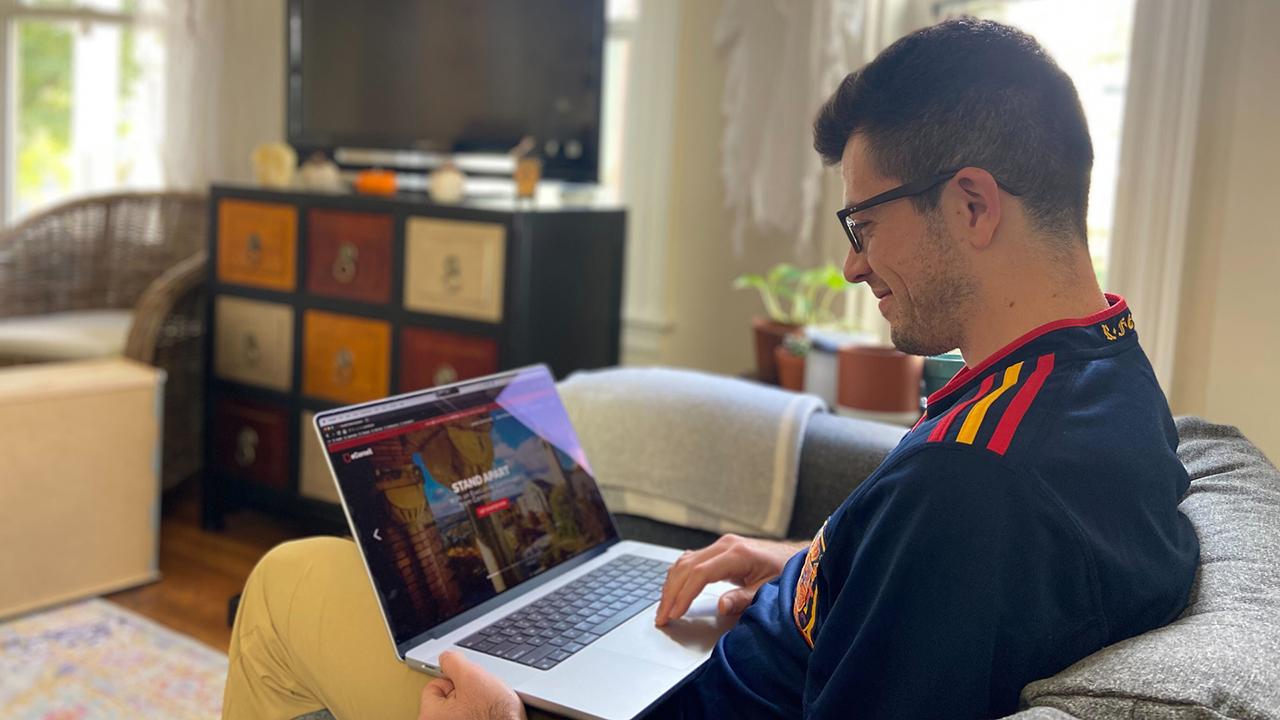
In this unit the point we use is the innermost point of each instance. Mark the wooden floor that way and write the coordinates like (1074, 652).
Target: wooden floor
(203, 570)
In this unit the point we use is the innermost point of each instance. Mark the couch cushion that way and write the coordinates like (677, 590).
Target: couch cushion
(71, 335)
(1221, 659)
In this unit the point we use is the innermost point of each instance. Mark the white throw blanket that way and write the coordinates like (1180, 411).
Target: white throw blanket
(683, 447)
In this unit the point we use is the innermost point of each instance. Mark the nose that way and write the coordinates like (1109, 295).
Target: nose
(856, 267)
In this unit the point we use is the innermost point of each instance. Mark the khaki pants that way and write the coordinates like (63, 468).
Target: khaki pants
(309, 636)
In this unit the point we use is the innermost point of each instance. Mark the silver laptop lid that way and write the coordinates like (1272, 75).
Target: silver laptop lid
(458, 495)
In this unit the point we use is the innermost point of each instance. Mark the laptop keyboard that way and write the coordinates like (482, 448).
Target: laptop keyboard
(547, 632)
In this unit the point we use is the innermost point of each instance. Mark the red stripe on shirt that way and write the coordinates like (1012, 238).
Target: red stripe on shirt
(1018, 407)
(940, 430)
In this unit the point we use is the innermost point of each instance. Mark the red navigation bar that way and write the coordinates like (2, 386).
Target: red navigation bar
(411, 427)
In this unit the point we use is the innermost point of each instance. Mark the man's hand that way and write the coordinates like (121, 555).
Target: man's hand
(467, 692)
(742, 561)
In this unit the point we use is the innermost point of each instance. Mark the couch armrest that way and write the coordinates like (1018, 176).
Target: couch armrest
(158, 301)
(837, 455)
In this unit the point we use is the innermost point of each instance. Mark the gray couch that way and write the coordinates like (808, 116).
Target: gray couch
(1221, 659)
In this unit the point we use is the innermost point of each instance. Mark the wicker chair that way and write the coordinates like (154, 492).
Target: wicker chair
(143, 252)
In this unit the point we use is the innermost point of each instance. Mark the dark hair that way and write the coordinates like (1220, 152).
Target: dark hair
(969, 93)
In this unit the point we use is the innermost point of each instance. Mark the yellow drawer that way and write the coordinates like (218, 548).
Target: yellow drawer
(455, 268)
(345, 358)
(314, 479)
(253, 342)
(258, 244)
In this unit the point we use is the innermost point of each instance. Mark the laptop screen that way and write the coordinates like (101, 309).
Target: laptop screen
(461, 494)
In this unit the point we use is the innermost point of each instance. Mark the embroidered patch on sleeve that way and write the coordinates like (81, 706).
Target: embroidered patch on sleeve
(805, 610)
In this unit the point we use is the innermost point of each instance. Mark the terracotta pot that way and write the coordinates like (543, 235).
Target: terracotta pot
(879, 379)
(769, 335)
(790, 369)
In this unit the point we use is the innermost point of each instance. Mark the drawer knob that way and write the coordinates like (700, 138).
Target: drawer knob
(344, 266)
(253, 250)
(445, 374)
(252, 351)
(246, 447)
(452, 280)
(344, 366)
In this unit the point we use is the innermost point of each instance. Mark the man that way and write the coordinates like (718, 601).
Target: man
(1027, 521)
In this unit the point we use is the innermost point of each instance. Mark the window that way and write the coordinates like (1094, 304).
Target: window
(82, 101)
(620, 19)
(1089, 39)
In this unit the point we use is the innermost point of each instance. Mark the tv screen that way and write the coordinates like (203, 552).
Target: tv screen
(449, 76)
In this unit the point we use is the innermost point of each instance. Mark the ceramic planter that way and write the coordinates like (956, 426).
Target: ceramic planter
(790, 369)
(769, 335)
(879, 379)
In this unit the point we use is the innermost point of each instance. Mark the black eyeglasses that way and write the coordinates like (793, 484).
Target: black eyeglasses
(919, 187)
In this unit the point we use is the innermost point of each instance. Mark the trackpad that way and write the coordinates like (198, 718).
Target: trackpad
(680, 644)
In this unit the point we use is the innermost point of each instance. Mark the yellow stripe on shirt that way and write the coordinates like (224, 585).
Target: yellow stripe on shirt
(973, 422)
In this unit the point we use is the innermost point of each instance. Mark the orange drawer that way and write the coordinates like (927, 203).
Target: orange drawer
(258, 244)
(434, 357)
(252, 441)
(345, 358)
(349, 255)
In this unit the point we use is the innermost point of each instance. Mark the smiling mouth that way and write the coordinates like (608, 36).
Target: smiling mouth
(882, 295)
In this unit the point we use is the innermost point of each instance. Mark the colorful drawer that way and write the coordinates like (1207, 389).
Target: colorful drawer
(314, 478)
(253, 342)
(258, 244)
(435, 357)
(455, 268)
(349, 255)
(345, 358)
(252, 441)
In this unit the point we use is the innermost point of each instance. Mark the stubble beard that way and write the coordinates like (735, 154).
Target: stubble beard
(933, 322)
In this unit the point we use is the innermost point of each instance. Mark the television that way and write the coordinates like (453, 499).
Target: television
(448, 77)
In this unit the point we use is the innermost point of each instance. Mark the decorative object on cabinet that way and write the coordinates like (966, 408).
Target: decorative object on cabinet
(112, 275)
(322, 300)
(448, 184)
(274, 164)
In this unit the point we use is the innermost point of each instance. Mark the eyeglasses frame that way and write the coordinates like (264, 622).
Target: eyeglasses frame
(911, 189)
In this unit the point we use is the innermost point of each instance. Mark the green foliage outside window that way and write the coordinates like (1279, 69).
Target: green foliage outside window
(44, 108)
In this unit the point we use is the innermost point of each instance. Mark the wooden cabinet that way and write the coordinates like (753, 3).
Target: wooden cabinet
(346, 359)
(315, 481)
(251, 441)
(257, 244)
(323, 300)
(435, 357)
(349, 255)
(454, 267)
(253, 342)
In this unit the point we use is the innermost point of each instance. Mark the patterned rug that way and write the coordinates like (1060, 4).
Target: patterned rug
(94, 660)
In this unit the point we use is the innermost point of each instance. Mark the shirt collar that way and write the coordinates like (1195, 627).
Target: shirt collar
(1097, 330)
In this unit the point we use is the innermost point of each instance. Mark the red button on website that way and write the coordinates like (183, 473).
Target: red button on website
(492, 507)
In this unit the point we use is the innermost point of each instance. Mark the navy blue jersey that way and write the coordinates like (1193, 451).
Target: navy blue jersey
(1030, 519)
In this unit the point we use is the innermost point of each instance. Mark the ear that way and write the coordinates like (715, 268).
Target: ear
(973, 206)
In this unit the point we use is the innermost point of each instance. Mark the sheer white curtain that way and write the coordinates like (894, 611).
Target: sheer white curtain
(1157, 158)
(224, 86)
(785, 58)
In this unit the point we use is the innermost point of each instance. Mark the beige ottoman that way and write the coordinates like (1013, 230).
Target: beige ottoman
(79, 482)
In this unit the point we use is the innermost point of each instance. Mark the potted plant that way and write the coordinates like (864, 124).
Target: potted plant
(807, 295)
(790, 357)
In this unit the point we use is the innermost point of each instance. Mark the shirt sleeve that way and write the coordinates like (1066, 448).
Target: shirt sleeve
(947, 586)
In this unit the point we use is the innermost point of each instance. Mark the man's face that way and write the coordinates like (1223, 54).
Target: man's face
(909, 260)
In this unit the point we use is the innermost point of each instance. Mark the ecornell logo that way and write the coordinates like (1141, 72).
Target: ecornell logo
(348, 457)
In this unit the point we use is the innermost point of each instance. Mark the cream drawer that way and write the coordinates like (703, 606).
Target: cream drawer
(455, 268)
(314, 479)
(253, 342)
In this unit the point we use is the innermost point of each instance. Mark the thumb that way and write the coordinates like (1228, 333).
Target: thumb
(454, 665)
(737, 600)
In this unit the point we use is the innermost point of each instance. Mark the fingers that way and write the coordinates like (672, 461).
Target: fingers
(439, 687)
(728, 559)
(737, 600)
(454, 665)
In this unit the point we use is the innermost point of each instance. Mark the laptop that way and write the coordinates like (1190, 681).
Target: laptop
(483, 530)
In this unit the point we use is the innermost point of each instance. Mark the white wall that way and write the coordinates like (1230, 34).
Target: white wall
(1228, 360)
